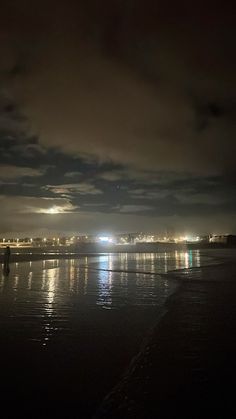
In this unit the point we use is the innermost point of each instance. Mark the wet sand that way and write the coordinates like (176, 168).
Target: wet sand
(68, 334)
(34, 256)
(188, 367)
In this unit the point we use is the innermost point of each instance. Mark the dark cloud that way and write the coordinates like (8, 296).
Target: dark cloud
(130, 209)
(123, 106)
(73, 174)
(74, 188)
(126, 81)
(16, 172)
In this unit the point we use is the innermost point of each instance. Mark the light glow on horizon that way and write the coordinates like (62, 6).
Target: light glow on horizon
(105, 239)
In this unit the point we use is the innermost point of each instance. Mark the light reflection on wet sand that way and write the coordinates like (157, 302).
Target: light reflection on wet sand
(59, 288)
(87, 314)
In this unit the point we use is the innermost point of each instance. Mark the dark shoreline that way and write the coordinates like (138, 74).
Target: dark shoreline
(187, 367)
(185, 361)
(87, 350)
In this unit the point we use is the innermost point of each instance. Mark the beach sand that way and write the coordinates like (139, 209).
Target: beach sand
(185, 368)
(188, 367)
(34, 256)
(67, 333)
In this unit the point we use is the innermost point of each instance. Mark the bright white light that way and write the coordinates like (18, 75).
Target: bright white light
(53, 210)
(105, 239)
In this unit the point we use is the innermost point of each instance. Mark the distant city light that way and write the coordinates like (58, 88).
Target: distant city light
(105, 239)
(127, 239)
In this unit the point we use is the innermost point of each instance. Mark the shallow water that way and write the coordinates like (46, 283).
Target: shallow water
(80, 321)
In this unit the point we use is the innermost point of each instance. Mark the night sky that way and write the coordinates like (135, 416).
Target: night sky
(117, 116)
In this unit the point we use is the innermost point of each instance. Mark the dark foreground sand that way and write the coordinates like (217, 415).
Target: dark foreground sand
(188, 368)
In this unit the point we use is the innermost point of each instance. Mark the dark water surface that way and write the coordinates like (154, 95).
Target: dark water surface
(69, 328)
